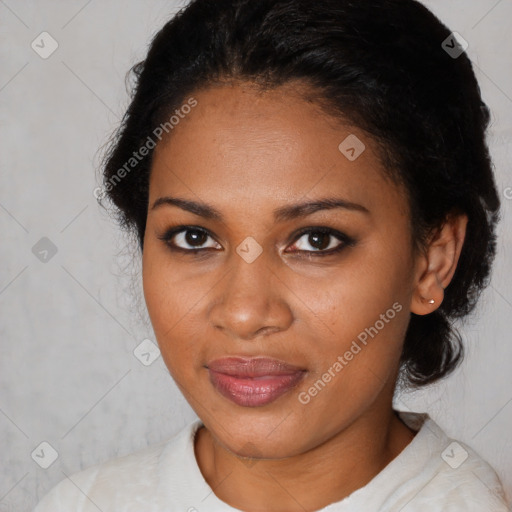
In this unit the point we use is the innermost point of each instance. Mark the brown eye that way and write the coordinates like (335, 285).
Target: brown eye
(188, 239)
(322, 240)
(195, 237)
(319, 240)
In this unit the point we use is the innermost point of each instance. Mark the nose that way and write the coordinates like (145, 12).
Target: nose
(250, 301)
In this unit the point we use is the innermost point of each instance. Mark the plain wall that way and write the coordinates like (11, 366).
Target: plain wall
(69, 326)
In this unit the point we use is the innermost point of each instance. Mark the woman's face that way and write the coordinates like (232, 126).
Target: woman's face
(260, 288)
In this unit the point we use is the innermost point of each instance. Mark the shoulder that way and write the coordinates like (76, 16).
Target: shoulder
(452, 476)
(120, 483)
(467, 482)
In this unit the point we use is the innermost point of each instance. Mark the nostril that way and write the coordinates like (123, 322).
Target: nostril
(265, 331)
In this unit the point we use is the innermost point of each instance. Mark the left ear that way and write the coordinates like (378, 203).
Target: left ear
(436, 265)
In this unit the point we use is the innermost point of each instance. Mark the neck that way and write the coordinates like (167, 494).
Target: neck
(311, 480)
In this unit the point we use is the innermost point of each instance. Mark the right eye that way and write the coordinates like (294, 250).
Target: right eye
(178, 238)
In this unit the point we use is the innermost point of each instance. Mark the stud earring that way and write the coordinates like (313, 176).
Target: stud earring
(431, 301)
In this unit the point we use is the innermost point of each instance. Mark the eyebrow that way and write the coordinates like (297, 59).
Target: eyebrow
(285, 213)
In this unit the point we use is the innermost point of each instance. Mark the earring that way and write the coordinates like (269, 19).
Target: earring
(431, 301)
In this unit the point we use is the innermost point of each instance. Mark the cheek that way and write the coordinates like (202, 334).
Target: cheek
(168, 292)
(362, 292)
(170, 300)
(364, 315)
(352, 366)
(361, 352)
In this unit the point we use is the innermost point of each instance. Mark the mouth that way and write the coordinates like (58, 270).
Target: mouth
(253, 382)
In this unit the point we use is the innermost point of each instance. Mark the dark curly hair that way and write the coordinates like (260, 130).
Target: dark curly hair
(385, 66)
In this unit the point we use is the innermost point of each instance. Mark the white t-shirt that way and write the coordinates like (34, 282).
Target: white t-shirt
(433, 473)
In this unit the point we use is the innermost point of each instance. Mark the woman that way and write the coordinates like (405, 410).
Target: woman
(314, 203)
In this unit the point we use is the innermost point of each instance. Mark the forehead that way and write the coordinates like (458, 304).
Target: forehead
(267, 148)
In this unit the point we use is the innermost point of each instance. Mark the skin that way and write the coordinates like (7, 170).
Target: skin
(247, 153)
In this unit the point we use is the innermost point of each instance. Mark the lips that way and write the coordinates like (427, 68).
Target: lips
(253, 382)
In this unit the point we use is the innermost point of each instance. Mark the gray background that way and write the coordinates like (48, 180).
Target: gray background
(69, 325)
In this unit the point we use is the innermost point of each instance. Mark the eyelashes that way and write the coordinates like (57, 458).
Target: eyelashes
(321, 238)
(199, 235)
(317, 238)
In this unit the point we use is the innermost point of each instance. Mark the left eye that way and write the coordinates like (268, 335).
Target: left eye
(322, 240)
